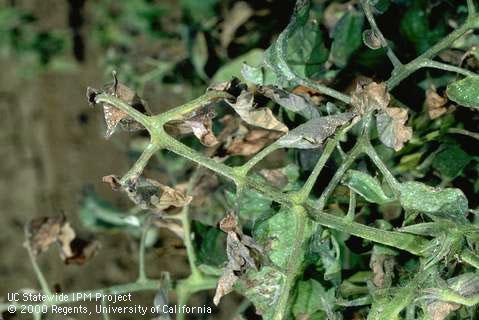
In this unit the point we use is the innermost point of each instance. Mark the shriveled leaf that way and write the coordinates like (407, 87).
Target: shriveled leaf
(151, 194)
(300, 104)
(114, 117)
(313, 133)
(200, 124)
(42, 232)
(261, 117)
(247, 141)
(235, 18)
(464, 92)
(392, 129)
(449, 203)
(365, 185)
(435, 104)
(371, 39)
(347, 37)
(369, 97)
(382, 265)
(238, 249)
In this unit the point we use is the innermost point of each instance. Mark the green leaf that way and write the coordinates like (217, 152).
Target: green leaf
(347, 37)
(233, 68)
(450, 161)
(252, 204)
(365, 185)
(449, 203)
(262, 288)
(312, 297)
(465, 92)
(199, 54)
(277, 233)
(306, 51)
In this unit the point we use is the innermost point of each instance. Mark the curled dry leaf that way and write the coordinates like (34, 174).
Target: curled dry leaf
(150, 194)
(369, 97)
(42, 232)
(371, 39)
(261, 117)
(296, 103)
(200, 123)
(240, 139)
(238, 248)
(313, 133)
(275, 177)
(382, 266)
(114, 117)
(435, 104)
(391, 127)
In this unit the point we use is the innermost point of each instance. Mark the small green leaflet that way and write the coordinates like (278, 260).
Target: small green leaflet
(365, 185)
(465, 92)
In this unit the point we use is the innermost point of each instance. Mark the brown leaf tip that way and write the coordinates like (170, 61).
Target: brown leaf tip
(91, 94)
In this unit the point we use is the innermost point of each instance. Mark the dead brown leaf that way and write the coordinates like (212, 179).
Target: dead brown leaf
(259, 117)
(149, 193)
(200, 124)
(42, 232)
(114, 117)
(382, 266)
(435, 104)
(369, 97)
(239, 248)
(275, 177)
(392, 129)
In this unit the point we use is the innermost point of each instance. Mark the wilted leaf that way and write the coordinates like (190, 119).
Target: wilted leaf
(235, 18)
(371, 39)
(246, 141)
(449, 203)
(42, 232)
(391, 127)
(347, 37)
(115, 117)
(151, 194)
(365, 185)
(382, 265)
(252, 204)
(313, 133)
(261, 117)
(435, 104)
(369, 97)
(297, 103)
(238, 249)
(200, 123)
(464, 92)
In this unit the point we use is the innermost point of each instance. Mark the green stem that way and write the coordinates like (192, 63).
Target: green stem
(142, 277)
(303, 194)
(38, 272)
(350, 158)
(245, 168)
(391, 180)
(446, 67)
(404, 71)
(372, 22)
(471, 134)
(140, 164)
(352, 206)
(294, 266)
(125, 107)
